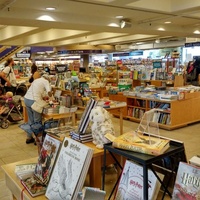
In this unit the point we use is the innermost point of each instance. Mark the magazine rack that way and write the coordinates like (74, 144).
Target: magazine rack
(174, 154)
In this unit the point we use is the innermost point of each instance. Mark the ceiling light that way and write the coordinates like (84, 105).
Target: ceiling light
(45, 18)
(125, 23)
(157, 41)
(119, 17)
(196, 32)
(168, 22)
(113, 25)
(161, 29)
(50, 8)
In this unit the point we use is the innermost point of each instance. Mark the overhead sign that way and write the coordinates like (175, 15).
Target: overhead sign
(192, 44)
(23, 55)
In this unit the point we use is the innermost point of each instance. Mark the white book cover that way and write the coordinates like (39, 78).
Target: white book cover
(70, 170)
(131, 183)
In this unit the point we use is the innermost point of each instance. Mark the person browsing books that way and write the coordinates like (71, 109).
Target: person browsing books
(34, 73)
(9, 76)
(36, 91)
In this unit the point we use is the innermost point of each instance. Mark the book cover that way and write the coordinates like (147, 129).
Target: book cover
(36, 181)
(85, 117)
(47, 158)
(33, 185)
(91, 193)
(131, 183)
(187, 183)
(195, 160)
(141, 143)
(70, 170)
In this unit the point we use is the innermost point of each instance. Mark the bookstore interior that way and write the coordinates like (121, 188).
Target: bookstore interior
(155, 89)
(115, 127)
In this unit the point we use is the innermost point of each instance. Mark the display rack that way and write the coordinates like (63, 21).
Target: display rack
(147, 161)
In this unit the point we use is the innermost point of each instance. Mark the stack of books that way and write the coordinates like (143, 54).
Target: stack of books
(87, 137)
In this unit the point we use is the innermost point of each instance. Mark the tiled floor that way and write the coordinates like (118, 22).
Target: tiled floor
(13, 148)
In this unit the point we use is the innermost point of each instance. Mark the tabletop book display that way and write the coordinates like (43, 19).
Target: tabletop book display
(70, 170)
(36, 181)
(146, 139)
(187, 184)
(131, 183)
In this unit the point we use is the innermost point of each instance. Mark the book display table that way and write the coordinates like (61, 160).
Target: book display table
(95, 177)
(115, 109)
(145, 160)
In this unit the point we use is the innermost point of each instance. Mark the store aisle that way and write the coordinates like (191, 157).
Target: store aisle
(13, 148)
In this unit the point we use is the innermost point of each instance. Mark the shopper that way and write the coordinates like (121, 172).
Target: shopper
(34, 73)
(36, 91)
(3, 80)
(9, 74)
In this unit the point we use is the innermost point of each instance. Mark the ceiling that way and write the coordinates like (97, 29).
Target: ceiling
(85, 24)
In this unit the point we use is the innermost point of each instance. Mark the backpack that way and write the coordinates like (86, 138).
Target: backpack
(2, 80)
(192, 75)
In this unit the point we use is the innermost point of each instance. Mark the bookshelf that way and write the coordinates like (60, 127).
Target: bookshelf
(173, 114)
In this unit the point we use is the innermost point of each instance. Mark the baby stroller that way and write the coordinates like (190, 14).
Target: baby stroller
(9, 112)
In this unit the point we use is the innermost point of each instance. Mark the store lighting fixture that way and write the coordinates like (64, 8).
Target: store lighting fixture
(157, 41)
(196, 32)
(50, 8)
(125, 23)
(168, 22)
(119, 17)
(161, 29)
(113, 25)
(46, 18)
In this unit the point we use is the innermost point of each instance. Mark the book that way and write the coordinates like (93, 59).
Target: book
(35, 182)
(195, 160)
(70, 170)
(187, 182)
(85, 117)
(132, 141)
(91, 193)
(22, 169)
(131, 183)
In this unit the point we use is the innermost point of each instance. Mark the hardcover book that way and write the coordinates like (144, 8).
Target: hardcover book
(141, 143)
(36, 181)
(70, 170)
(187, 183)
(131, 183)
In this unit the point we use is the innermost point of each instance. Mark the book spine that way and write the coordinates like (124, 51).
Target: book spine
(134, 148)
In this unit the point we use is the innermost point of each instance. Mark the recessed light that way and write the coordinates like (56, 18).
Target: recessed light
(161, 29)
(46, 18)
(196, 32)
(113, 25)
(168, 22)
(50, 8)
(119, 17)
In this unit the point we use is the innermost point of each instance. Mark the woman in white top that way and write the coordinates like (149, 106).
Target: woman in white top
(36, 91)
(9, 74)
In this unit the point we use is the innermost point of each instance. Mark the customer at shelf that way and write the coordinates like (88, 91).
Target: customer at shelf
(9, 76)
(34, 73)
(36, 91)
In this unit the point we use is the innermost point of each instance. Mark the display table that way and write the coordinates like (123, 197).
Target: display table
(116, 109)
(61, 116)
(50, 116)
(95, 177)
(147, 161)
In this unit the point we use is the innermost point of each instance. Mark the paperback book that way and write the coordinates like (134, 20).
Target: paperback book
(70, 170)
(151, 145)
(187, 182)
(36, 181)
(131, 183)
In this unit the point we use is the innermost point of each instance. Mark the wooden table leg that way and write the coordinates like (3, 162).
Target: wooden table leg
(121, 120)
(95, 172)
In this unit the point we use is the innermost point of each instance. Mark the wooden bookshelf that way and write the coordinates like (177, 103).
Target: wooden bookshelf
(179, 113)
